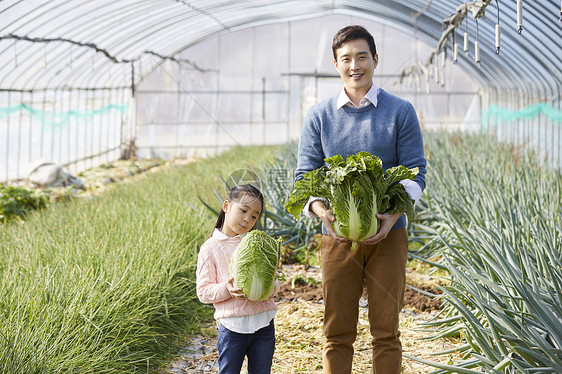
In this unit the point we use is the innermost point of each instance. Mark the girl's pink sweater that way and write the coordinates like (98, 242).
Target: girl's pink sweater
(213, 274)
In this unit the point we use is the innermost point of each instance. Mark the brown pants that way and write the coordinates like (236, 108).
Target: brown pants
(383, 267)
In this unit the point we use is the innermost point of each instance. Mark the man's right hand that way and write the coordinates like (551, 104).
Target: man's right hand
(327, 218)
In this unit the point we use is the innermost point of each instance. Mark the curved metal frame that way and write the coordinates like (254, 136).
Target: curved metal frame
(127, 28)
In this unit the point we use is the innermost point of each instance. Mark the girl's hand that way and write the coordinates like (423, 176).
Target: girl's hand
(234, 292)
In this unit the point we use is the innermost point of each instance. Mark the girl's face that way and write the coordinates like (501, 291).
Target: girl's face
(241, 216)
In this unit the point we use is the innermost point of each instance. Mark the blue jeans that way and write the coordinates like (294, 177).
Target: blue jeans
(233, 347)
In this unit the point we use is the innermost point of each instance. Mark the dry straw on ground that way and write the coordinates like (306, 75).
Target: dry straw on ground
(299, 340)
(299, 343)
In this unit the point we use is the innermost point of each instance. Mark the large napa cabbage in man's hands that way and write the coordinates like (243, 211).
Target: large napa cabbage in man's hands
(357, 189)
(254, 265)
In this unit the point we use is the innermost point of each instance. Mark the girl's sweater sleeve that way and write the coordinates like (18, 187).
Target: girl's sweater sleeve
(210, 288)
(277, 287)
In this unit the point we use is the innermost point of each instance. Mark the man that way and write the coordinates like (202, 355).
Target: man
(362, 117)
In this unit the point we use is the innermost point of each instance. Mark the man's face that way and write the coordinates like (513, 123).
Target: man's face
(356, 65)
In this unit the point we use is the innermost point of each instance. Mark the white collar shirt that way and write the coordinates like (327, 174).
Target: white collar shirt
(368, 99)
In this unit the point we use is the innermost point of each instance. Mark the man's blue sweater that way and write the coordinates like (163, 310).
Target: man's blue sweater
(390, 131)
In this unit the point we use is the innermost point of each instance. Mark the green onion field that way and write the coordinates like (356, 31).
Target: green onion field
(106, 284)
(492, 217)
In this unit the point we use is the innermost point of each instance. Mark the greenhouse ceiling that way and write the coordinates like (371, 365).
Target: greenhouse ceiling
(87, 44)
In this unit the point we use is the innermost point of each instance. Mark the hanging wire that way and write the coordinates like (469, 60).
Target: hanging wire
(520, 16)
(456, 20)
(477, 46)
(466, 33)
(97, 49)
(442, 72)
(455, 48)
(498, 29)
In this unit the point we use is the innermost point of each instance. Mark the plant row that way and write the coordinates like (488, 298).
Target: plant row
(107, 284)
(492, 217)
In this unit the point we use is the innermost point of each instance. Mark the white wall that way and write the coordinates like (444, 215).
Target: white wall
(183, 110)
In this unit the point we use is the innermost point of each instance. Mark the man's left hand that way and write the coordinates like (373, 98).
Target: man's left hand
(387, 221)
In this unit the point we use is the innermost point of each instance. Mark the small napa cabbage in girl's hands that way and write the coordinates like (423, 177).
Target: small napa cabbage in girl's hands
(254, 265)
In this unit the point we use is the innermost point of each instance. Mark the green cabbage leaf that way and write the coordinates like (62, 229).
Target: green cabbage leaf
(254, 265)
(357, 189)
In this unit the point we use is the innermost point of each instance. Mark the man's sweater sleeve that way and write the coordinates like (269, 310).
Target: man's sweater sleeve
(410, 148)
(310, 156)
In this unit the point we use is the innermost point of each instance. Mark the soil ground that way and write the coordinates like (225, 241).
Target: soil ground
(303, 291)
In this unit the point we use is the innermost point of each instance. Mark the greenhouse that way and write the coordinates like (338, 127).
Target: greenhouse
(179, 99)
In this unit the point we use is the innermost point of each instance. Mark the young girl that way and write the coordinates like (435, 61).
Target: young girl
(245, 327)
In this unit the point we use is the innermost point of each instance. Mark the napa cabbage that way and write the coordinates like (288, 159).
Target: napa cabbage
(357, 188)
(254, 265)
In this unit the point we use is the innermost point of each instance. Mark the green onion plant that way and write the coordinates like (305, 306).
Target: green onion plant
(492, 215)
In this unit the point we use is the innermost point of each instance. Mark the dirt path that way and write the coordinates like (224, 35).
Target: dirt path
(299, 338)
